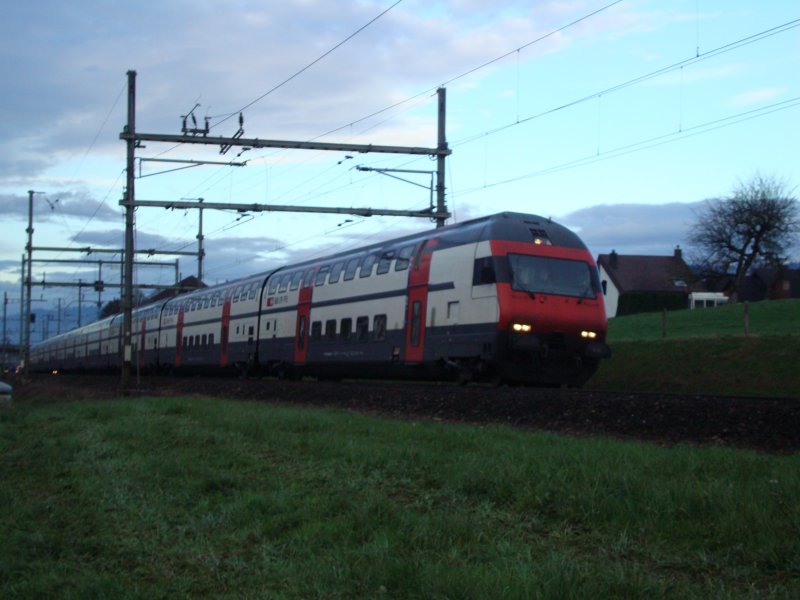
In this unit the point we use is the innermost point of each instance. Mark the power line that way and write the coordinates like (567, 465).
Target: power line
(308, 66)
(641, 78)
(608, 154)
(414, 97)
(649, 143)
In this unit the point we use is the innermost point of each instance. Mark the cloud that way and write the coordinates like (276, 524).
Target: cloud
(756, 97)
(633, 228)
(58, 205)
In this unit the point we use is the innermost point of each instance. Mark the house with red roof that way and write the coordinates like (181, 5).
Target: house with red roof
(637, 283)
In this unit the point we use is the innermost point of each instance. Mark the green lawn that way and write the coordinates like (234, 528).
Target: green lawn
(778, 317)
(179, 498)
(706, 352)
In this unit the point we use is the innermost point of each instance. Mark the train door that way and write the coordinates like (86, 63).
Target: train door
(303, 316)
(142, 343)
(417, 305)
(179, 338)
(225, 331)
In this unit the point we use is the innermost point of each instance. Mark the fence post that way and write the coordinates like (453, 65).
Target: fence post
(746, 319)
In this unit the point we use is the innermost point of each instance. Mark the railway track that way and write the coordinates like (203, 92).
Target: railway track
(763, 424)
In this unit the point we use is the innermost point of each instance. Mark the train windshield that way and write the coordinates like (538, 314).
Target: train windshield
(563, 277)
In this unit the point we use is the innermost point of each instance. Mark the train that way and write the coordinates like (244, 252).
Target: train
(508, 297)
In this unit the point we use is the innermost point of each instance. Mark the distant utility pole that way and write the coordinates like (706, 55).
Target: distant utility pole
(197, 135)
(27, 278)
(129, 134)
(5, 331)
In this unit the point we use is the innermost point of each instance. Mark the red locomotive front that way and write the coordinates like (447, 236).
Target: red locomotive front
(552, 322)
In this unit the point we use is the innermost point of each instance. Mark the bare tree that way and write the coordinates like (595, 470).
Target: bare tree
(757, 224)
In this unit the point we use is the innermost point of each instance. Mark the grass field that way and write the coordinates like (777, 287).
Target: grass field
(187, 498)
(705, 351)
(779, 317)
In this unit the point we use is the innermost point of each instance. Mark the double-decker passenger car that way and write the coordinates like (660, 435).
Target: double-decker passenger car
(507, 297)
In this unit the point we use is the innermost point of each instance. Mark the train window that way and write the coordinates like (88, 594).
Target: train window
(204, 340)
(206, 302)
(453, 310)
(403, 258)
(321, 274)
(285, 282)
(197, 340)
(316, 331)
(366, 267)
(330, 329)
(379, 327)
(544, 275)
(350, 271)
(362, 328)
(296, 279)
(336, 271)
(273, 284)
(385, 262)
(250, 334)
(416, 322)
(253, 290)
(347, 327)
(309, 277)
(483, 271)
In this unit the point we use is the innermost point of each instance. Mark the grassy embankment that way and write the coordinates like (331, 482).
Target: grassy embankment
(706, 351)
(172, 498)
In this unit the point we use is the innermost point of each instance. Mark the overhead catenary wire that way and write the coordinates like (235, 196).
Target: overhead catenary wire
(427, 91)
(649, 143)
(309, 65)
(607, 154)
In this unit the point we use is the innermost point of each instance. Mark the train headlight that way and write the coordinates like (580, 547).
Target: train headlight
(521, 327)
(589, 335)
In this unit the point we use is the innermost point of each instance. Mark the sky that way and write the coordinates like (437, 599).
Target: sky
(617, 119)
